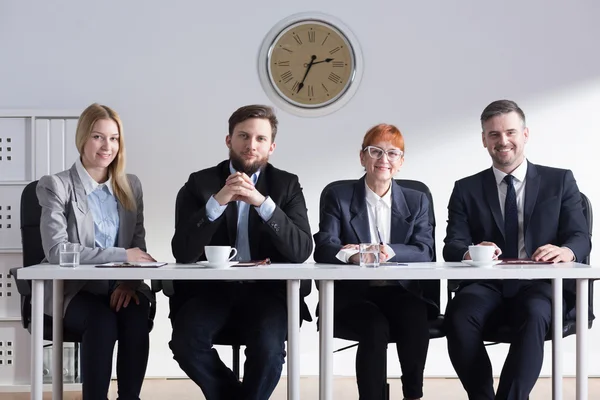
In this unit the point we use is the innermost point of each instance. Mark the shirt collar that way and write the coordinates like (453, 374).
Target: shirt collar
(373, 198)
(89, 184)
(519, 173)
(254, 176)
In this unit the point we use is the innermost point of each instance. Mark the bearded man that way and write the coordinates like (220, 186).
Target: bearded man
(246, 203)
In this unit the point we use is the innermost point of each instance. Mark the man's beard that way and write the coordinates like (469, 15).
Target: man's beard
(248, 168)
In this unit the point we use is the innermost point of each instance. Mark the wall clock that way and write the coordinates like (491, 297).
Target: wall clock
(310, 64)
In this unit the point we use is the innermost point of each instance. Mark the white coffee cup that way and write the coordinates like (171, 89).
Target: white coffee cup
(482, 252)
(219, 254)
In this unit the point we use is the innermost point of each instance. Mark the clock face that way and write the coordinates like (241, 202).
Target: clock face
(311, 64)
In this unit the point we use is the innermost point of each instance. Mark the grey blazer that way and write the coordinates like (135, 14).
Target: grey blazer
(67, 218)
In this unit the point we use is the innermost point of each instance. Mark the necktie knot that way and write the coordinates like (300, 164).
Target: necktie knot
(509, 180)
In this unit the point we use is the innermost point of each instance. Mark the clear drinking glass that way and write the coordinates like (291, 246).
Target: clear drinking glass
(68, 255)
(369, 255)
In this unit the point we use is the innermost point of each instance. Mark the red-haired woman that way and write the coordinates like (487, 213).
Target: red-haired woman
(375, 209)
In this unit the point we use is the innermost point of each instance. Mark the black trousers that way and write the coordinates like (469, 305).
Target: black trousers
(482, 307)
(259, 318)
(388, 314)
(90, 316)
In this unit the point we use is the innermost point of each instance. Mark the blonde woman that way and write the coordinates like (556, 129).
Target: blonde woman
(97, 205)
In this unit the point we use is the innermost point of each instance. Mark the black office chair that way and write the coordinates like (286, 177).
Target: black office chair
(228, 336)
(505, 335)
(431, 288)
(33, 253)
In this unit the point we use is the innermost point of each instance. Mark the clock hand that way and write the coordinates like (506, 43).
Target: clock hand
(322, 61)
(310, 64)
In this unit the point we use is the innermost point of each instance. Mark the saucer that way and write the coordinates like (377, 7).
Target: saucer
(489, 263)
(217, 265)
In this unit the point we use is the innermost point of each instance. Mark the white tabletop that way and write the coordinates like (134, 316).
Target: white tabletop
(440, 270)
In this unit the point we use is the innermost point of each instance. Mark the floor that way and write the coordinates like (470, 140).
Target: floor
(345, 388)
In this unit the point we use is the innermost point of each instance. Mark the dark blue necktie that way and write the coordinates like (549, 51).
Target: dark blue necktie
(511, 221)
(510, 287)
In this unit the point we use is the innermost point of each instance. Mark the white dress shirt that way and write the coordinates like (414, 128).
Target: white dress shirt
(380, 214)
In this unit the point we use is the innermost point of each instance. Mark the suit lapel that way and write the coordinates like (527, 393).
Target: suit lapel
(532, 186)
(400, 213)
(490, 189)
(359, 216)
(83, 215)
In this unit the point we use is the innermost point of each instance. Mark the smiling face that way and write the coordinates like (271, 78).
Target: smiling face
(102, 145)
(504, 136)
(383, 169)
(250, 145)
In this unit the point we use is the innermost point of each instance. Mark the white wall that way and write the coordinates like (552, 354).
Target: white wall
(176, 72)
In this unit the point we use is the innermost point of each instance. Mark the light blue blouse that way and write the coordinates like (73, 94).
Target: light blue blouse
(105, 211)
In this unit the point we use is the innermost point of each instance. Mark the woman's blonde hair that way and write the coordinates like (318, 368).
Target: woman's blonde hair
(116, 169)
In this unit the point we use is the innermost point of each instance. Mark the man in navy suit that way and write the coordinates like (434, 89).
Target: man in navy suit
(525, 211)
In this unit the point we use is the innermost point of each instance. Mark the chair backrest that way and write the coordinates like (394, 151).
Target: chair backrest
(431, 288)
(31, 241)
(31, 238)
(589, 218)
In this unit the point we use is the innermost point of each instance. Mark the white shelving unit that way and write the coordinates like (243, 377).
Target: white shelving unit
(32, 144)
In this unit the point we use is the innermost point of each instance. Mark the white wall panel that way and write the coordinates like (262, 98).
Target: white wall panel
(10, 235)
(42, 147)
(14, 353)
(55, 148)
(10, 304)
(57, 145)
(13, 149)
(71, 153)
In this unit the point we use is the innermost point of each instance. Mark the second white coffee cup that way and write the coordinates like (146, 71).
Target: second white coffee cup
(482, 253)
(219, 254)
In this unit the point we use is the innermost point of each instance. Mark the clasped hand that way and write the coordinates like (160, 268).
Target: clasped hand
(239, 187)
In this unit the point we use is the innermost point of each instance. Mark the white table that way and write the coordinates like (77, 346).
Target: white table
(327, 274)
(292, 273)
(433, 271)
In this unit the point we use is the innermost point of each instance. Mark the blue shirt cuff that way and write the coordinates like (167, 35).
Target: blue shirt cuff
(213, 209)
(266, 209)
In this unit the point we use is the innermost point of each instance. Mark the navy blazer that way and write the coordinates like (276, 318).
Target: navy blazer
(553, 214)
(344, 220)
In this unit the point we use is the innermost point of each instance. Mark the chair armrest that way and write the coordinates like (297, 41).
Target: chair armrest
(23, 286)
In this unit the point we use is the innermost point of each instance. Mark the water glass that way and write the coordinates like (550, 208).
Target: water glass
(68, 255)
(369, 255)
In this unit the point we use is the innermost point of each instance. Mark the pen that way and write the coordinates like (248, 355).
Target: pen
(379, 236)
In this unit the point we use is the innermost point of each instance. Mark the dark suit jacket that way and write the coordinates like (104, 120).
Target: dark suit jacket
(344, 220)
(285, 238)
(553, 214)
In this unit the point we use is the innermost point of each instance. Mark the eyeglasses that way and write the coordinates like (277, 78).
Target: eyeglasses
(377, 153)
